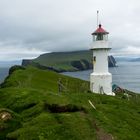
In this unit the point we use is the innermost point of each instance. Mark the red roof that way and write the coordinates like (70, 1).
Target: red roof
(100, 30)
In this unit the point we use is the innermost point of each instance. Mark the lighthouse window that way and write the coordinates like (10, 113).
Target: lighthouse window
(105, 37)
(99, 37)
(94, 58)
(94, 38)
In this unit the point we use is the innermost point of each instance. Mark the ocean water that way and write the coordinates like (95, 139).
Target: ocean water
(4, 68)
(3, 73)
(126, 75)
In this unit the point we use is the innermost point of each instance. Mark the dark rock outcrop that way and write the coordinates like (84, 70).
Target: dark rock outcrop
(111, 61)
(81, 65)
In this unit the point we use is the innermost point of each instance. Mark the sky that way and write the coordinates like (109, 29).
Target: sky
(29, 28)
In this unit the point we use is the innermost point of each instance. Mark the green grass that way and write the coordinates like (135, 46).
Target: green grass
(63, 60)
(40, 112)
(51, 58)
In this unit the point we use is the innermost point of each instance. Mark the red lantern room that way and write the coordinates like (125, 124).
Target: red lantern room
(100, 34)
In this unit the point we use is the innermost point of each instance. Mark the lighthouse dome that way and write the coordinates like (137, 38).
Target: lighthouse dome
(100, 30)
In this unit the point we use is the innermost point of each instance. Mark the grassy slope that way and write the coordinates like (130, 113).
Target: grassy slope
(37, 109)
(63, 60)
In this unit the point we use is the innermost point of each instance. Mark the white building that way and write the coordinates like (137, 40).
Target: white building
(100, 79)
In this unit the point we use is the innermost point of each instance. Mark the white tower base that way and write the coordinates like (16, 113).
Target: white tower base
(101, 83)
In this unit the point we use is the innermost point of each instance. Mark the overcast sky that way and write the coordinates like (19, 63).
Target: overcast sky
(32, 27)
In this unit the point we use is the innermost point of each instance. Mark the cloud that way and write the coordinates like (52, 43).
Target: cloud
(34, 27)
(14, 50)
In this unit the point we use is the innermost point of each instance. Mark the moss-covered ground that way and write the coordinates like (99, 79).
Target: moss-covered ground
(40, 112)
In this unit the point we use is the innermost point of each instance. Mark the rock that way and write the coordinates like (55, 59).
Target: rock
(5, 116)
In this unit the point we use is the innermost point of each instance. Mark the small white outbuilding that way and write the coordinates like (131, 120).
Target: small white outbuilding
(100, 78)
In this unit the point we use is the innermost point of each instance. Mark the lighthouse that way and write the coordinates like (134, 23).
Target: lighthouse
(100, 78)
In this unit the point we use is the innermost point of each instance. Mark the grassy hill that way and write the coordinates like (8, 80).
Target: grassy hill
(65, 61)
(31, 108)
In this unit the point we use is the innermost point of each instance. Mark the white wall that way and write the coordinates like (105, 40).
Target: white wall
(100, 44)
(101, 64)
(101, 80)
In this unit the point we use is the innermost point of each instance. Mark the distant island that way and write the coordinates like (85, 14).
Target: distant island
(65, 61)
(127, 59)
(135, 60)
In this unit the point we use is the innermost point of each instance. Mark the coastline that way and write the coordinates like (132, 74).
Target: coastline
(123, 75)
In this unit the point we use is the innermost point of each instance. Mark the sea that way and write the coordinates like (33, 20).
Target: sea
(3, 73)
(125, 75)
(4, 68)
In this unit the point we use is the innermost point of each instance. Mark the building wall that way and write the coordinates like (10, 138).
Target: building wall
(101, 79)
(100, 44)
(101, 62)
(101, 83)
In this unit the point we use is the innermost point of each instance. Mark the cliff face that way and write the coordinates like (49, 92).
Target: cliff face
(111, 61)
(66, 61)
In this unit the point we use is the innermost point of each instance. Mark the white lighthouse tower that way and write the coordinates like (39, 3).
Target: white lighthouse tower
(100, 79)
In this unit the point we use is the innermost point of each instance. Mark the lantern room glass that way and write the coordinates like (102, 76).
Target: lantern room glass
(100, 37)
